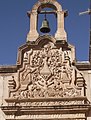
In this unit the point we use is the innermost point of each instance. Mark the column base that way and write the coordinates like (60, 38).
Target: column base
(32, 36)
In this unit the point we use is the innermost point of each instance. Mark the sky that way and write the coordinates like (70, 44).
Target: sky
(14, 27)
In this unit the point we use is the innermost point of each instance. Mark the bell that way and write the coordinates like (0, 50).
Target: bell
(45, 26)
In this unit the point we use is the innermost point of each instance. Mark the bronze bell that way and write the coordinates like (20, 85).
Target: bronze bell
(45, 26)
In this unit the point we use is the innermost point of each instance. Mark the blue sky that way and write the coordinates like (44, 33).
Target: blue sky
(14, 26)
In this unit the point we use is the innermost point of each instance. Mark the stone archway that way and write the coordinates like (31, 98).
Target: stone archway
(33, 33)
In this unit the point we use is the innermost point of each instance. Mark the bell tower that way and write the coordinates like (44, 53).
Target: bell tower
(57, 10)
(47, 83)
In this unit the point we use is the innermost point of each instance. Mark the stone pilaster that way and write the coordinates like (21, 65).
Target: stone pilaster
(60, 33)
(33, 34)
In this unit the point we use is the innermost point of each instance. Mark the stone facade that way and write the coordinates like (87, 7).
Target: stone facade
(47, 82)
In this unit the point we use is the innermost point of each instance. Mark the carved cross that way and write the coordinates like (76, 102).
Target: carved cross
(89, 13)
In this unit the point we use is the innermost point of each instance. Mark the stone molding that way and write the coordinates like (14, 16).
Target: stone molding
(74, 108)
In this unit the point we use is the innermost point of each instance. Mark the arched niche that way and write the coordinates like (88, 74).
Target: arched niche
(33, 32)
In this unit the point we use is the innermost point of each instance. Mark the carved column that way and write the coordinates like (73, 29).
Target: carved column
(33, 34)
(60, 33)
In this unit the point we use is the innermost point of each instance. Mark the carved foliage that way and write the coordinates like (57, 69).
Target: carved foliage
(47, 73)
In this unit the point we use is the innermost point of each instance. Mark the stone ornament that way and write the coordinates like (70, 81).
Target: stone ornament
(47, 72)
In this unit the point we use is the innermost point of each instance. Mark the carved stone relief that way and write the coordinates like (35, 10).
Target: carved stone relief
(52, 116)
(47, 72)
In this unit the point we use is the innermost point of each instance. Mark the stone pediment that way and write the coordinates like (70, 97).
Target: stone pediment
(46, 71)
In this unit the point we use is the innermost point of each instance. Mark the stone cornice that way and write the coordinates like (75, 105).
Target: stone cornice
(83, 65)
(8, 69)
(25, 109)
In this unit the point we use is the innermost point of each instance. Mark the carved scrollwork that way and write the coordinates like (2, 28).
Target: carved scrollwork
(48, 74)
(12, 83)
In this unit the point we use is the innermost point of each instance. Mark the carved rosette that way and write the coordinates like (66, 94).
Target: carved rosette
(47, 72)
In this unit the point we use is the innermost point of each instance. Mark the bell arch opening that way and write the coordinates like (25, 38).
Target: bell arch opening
(47, 5)
(51, 19)
(60, 33)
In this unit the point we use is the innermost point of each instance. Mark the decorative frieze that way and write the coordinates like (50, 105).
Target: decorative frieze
(46, 103)
(51, 116)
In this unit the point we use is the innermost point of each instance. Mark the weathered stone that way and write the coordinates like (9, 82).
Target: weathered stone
(47, 82)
